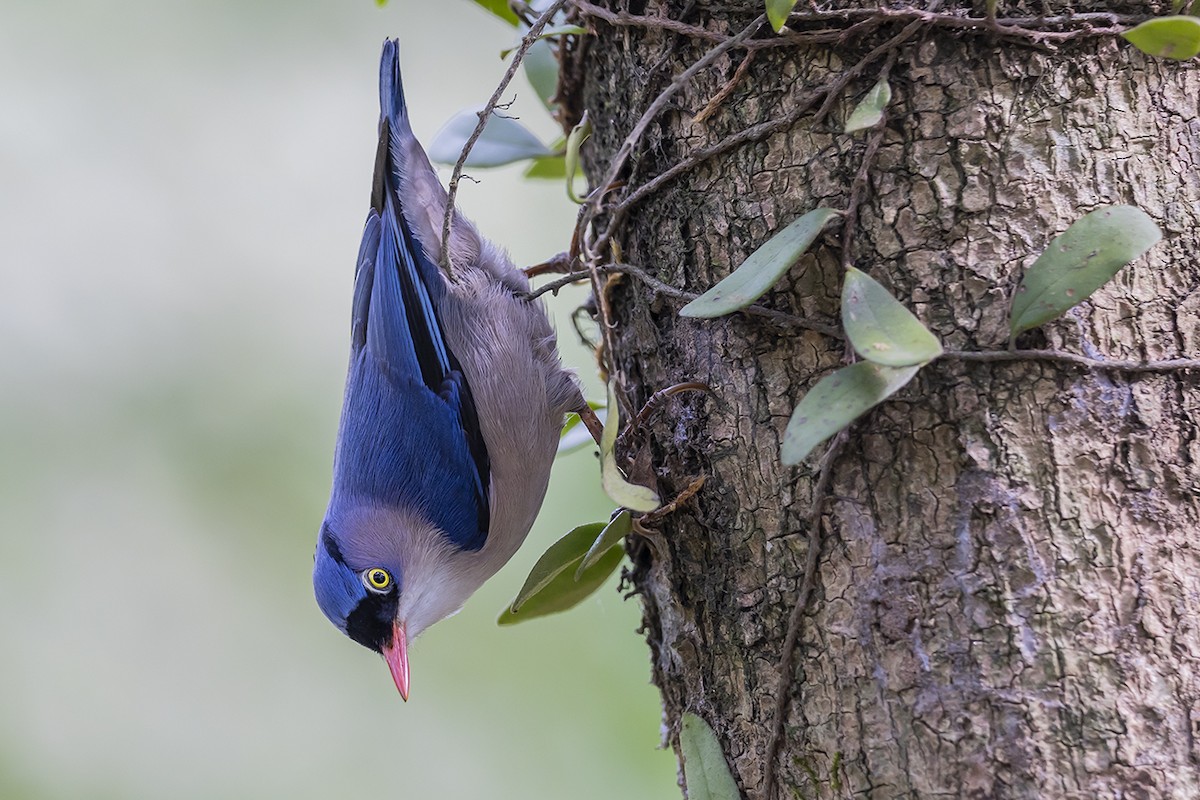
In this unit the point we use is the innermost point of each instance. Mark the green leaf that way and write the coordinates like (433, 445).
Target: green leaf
(574, 436)
(869, 112)
(552, 584)
(777, 12)
(622, 492)
(1175, 37)
(381, 3)
(579, 135)
(541, 69)
(500, 9)
(547, 168)
(880, 328)
(553, 30)
(705, 769)
(1079, 261)
(762, 270)
(610, 537)
(503, 141)
(837, 400)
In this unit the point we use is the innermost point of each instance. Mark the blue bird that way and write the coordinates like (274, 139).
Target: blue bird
(454, 402)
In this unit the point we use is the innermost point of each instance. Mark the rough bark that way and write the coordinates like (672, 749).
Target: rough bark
(1008, 590)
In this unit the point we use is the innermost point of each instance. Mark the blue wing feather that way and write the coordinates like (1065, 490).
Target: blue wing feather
(409, 433)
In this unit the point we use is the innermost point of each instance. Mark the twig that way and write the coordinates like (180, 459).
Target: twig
(752, 134)
(1059, 28)
(670, 508)
(787, 658)
(990, 356)
(726, 90)
(452, 190)
(592, 207)
(655, 402)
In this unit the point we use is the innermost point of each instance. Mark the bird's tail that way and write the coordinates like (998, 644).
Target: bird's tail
(403, 169)
(391, 91)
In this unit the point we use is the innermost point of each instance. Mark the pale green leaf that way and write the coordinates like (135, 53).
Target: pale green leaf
(762, 270)
(610, 537)
(575, 436)
(547, 168)
(777, 13)
(837, 400)
(880, 328)
(579, 135)
(1176, 37)
(552, 30)
(503, 141)
(541, 69)
(869, 111)
(622, 492)
(1079, 261)
(500, 9)
(705, 770)
(552, 584)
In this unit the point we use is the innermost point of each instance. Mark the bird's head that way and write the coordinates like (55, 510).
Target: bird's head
(382, 577)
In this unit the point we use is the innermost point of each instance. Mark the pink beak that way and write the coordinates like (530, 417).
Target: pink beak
(396, 655)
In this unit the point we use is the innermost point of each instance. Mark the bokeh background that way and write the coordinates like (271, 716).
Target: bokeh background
(182, 188)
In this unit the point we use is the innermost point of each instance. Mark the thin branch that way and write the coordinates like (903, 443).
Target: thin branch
(726, 90)
(535, 30)
(754, 133)
(1058, 28)
(991, 356)
(670, 508)
(623, 19)
(592, 207)
(787, 659)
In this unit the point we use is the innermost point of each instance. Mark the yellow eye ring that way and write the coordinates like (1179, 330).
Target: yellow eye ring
(377, 579)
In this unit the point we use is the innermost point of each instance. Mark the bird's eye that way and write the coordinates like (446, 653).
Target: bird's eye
(377, 580)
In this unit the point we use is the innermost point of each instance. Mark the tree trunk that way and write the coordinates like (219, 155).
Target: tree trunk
(1008, 584)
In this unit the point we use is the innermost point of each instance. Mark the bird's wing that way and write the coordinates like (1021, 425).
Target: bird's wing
(410, 432)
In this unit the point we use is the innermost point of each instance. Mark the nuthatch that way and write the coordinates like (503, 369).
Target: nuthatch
(454, 402)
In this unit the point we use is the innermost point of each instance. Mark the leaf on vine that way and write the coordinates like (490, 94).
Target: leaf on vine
(777, 13)
(880, 328)
(579, 134)
(1079, 261)
(869, 112)
(622, 492)
(705, 770)
(541, 69)
(547, 168)
(501, 9)
(547, 32)
(837, 400)
(616, 530)
(762, 270)
(503, 141)
(556, 583)
(1176, 37)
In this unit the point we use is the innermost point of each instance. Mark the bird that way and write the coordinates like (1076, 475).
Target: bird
(454, 402)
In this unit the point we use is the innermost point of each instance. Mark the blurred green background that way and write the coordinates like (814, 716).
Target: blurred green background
(182, 188)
